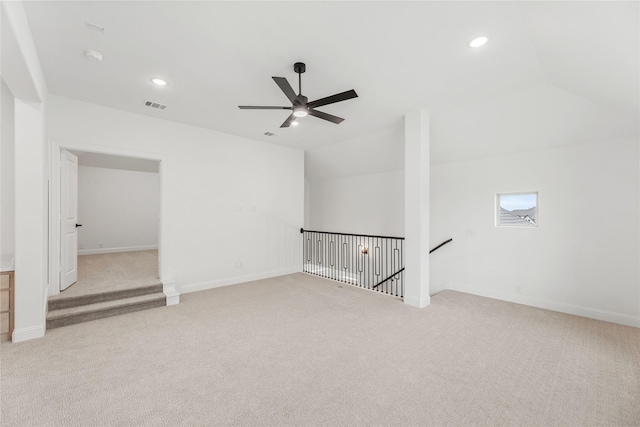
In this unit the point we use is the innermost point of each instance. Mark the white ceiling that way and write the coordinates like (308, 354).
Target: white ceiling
(567, 72)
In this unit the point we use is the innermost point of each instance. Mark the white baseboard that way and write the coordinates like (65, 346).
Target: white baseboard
(114, 250)
(26, 334)
(202, 286)
(590, 312)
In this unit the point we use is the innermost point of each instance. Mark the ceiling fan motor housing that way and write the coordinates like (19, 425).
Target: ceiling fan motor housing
(299, 67)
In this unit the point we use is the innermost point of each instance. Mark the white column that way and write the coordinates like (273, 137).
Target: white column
(416, 208)
(30, 223)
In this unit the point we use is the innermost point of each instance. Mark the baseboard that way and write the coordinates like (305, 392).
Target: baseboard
(202, 286)
(590, 312)
(114, 250)
(26, 334)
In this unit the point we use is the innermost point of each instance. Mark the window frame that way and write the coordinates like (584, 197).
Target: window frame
(518, 193)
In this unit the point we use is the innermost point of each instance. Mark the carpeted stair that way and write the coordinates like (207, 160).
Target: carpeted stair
(69, 311)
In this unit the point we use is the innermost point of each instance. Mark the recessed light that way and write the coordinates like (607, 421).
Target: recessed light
(478, 41)
(294, 123)
(158, 82)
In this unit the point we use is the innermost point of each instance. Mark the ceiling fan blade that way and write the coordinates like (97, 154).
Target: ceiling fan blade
(333, 98)
(287, 89)
(330, 117)
(288, 122)
(251, 107)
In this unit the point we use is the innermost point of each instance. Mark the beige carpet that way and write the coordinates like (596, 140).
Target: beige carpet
(301, 350)
(113, 272)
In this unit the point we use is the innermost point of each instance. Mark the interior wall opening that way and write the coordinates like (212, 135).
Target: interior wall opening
(117, 224)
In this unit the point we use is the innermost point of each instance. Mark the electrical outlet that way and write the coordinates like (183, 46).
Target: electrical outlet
(81, 246)
(518, 290)
(238, 264)
(100, 244)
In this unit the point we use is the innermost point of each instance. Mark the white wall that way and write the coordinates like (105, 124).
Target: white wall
(583, 257)
(118, 208)
(366, 204)
(357, 185)
(307, 203)
(7, 178)
(233, 207)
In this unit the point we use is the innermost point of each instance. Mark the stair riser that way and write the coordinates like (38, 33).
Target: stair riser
(102, 297)
(101, 314)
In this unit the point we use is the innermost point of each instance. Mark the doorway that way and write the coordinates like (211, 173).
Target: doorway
(119, 221)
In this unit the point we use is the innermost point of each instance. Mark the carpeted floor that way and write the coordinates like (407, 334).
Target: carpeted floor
(301, 350)
(113, 272)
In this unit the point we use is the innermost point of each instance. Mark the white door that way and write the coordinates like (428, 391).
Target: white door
(69, 220)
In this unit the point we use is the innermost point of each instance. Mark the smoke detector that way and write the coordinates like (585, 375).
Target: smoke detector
(94, 27)
(93, 55)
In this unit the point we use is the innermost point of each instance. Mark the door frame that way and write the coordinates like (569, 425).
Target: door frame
(56, 146)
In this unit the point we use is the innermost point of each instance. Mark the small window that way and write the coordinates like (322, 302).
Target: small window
(517, 210)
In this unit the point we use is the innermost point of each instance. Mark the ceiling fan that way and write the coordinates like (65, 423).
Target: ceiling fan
(299, 103)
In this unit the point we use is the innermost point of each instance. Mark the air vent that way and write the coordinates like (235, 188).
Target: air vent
(94, 27)
(270, 134)
(157, 105)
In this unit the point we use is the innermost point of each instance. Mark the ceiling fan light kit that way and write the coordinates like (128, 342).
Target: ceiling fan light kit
(300, 105)
(300, 112)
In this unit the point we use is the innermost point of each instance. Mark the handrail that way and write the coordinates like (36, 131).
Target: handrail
(358, 259)
(394, 274)
(440, 245)
(402, 269)
(302, 230)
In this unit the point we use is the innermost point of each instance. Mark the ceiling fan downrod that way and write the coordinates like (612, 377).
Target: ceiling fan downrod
(299, 67)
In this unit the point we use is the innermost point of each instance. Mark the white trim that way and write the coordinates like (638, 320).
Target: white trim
(25, 334)
(353, 283)
(331, 273)
(169, 289)
(114, 250)
(589, 312)
(56, 146)
(202, 286)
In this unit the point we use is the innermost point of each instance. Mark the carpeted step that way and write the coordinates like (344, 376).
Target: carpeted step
(99, 310)
(58, 304)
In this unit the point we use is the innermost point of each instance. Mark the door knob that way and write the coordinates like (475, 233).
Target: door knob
(78, 225)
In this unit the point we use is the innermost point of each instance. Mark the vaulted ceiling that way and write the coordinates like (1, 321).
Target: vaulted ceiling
(553, 73)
